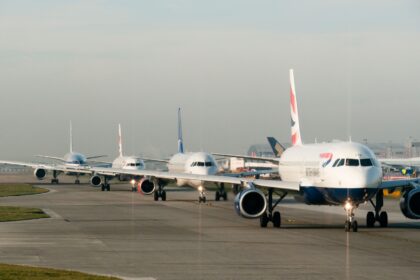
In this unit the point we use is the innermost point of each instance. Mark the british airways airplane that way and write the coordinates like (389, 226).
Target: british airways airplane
(344, 174)
(199, 163)
(123, 162)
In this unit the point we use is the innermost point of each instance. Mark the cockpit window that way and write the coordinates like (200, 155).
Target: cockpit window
(352, 162)
(366, 162)
(336, 162)
(341, 163)
(200, 163)
(209, 163)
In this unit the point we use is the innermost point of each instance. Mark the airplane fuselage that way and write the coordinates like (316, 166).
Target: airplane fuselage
(332, 173)
(192, 163)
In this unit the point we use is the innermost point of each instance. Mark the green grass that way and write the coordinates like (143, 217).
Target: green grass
(19, 189)
(9, 214)
(15, 272)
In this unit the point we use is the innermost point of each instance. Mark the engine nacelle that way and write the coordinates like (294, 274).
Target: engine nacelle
(95, 180)
(410, 203)
(146, 186)
(40, 173)
(250, 203)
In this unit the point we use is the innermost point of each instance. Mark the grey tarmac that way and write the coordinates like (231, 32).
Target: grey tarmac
(131, 236)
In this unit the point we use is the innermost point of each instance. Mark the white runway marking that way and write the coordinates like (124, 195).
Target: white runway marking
(52, 214)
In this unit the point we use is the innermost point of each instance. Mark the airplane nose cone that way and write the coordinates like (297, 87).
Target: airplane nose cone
(369, 178)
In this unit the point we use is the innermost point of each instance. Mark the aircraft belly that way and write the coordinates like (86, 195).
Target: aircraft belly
(334, 196)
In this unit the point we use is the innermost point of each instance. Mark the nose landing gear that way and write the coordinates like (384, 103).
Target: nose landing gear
(202, 196)
(351, 223)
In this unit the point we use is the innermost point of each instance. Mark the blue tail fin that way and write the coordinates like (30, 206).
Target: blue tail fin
(180, 141)
(277, 148)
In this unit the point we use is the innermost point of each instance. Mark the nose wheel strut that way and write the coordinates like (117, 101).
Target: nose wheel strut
(351, 223)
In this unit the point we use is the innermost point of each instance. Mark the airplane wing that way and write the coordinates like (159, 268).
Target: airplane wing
(155, 160)
(93, 157)
(392, 184)
(51, 157)
(277, 184)
(19, 163)
(274, 160)
(51, 167)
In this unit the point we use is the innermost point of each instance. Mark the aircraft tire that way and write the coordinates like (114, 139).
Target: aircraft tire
(156, 196)
(276, 219)
(383, 219)
(354, 226)
(224, 196)
(163, 195)
(263, 220)
(217, 196)
(347, 226)
(370, 219)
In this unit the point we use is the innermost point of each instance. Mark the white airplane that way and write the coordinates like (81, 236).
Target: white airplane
(73, 164)
(198, 163)
(345, 174)
(407, 166)
(122, 162)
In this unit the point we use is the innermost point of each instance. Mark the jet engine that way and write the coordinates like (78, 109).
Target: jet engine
(410, 203)
(40, 173)
(147, 186)
(95, 180)
(250, 203)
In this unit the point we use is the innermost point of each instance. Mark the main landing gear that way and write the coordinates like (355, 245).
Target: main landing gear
(54, 180)
(221, 193)
(351, 223)
(105, 186)
(160, 193)
(275, 217)
(77, 181)
(378, 216)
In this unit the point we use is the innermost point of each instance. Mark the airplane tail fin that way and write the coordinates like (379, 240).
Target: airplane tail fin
(120, 150)
(277, 148)
(180, 141)
(71, 137)
(296, 136)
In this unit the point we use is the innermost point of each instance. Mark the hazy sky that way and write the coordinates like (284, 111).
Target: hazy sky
(98, 63)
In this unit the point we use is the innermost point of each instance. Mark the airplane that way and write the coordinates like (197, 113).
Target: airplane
(275, 145)
(407, 166)
(72, 164)
(343, 174)
(123, 162)
(199, 163)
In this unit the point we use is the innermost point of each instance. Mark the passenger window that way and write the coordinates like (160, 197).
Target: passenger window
(335, 163)
(366, 162)
(352, 162)
(341, 163)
